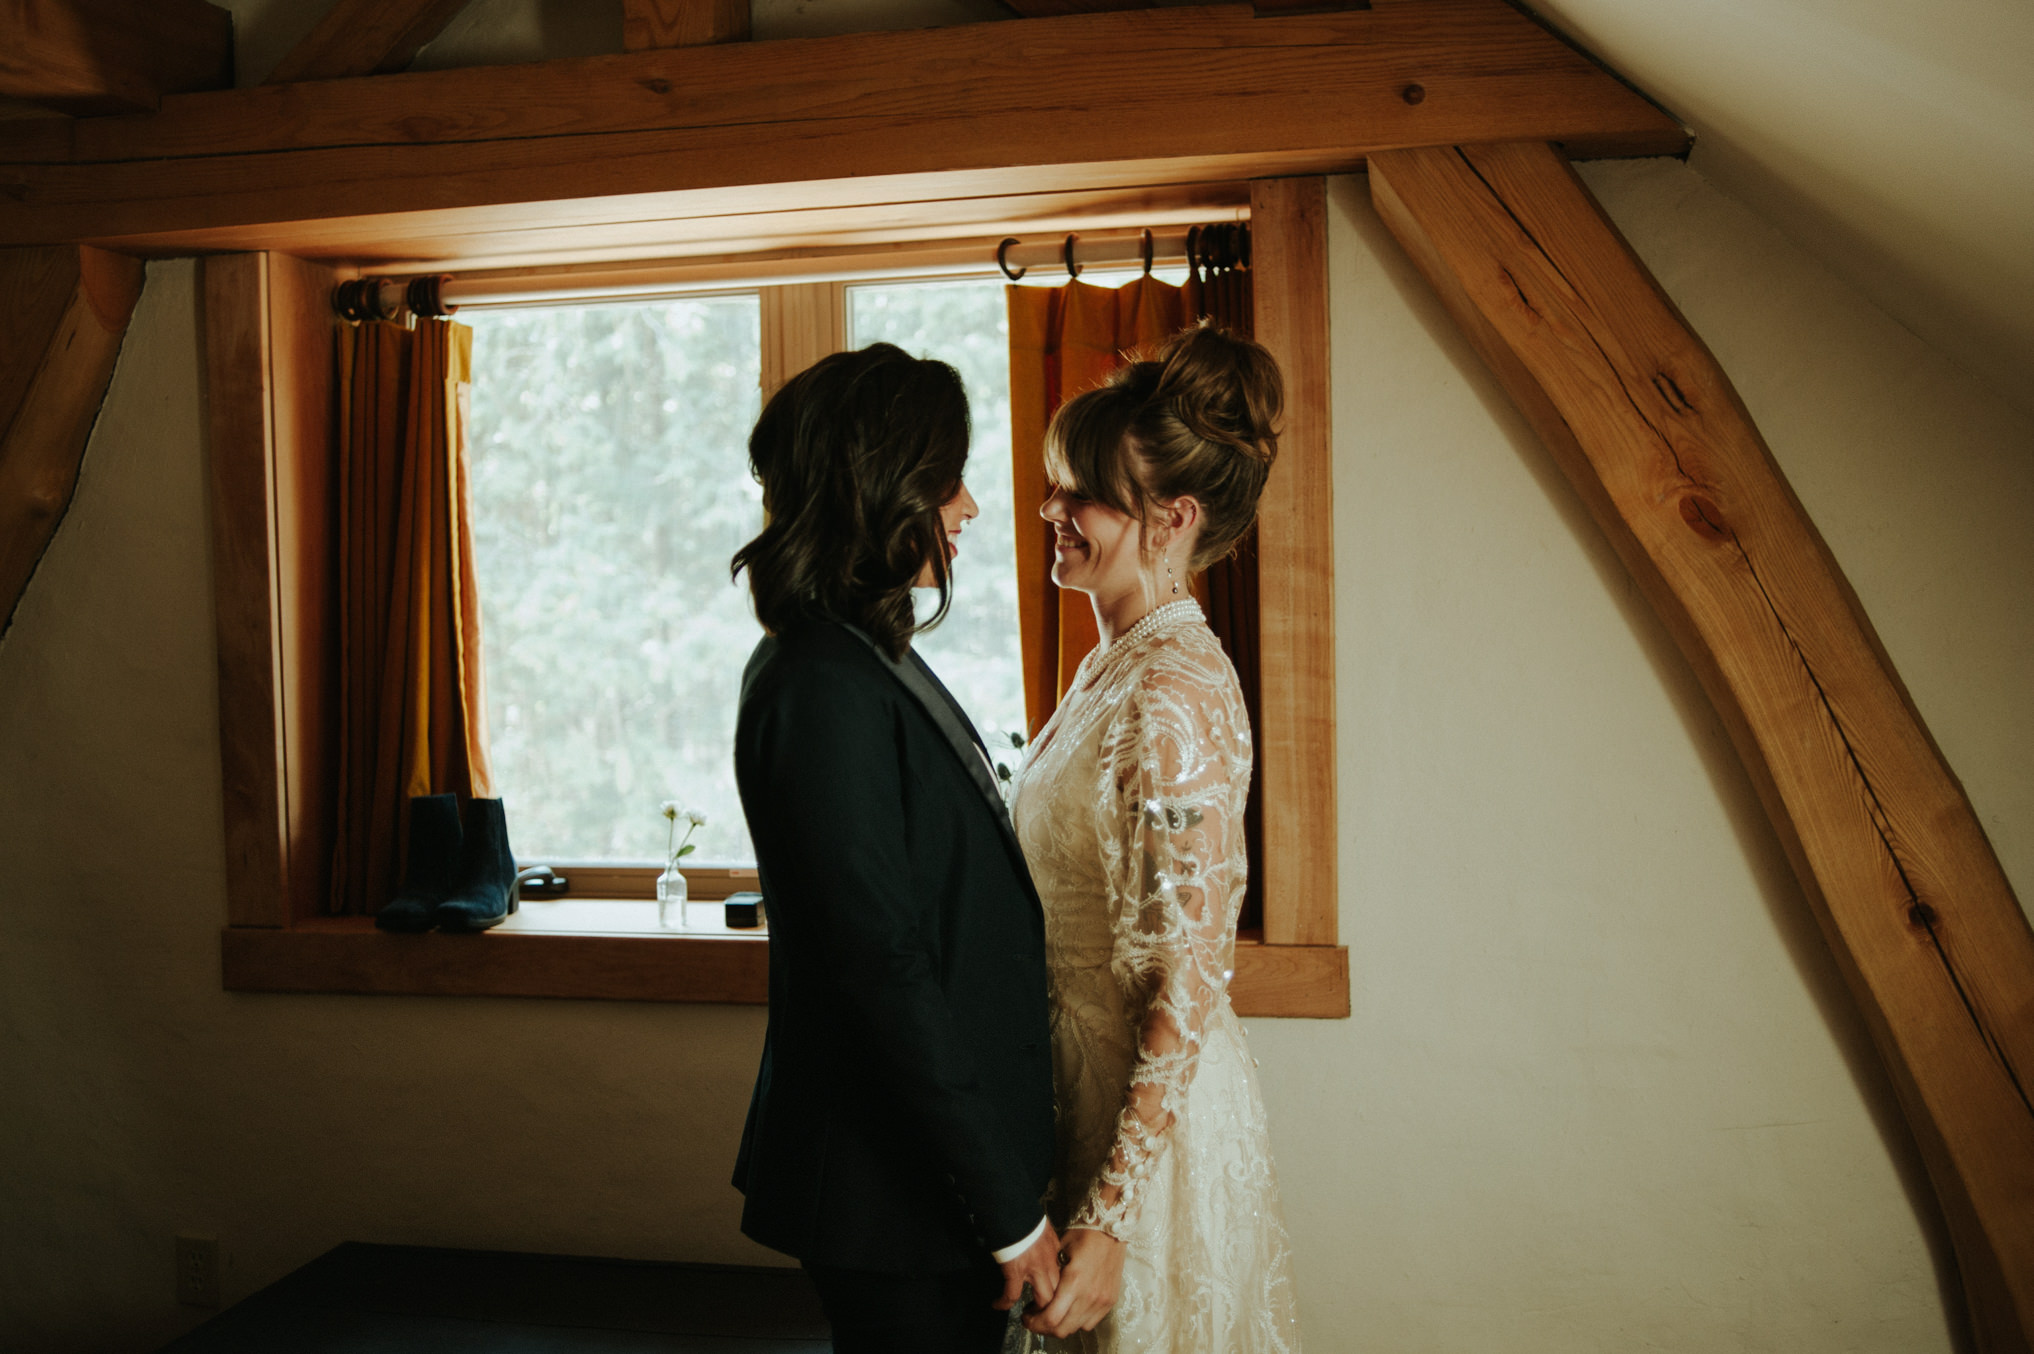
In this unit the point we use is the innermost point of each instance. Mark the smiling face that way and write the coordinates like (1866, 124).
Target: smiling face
(953, 515)
(1095, 548)
(1099, 550)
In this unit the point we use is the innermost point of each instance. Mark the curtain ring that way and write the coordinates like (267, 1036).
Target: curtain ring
(1073, 270)
(363, 298)
(425, 296)
(350, 301)
(1147, 251)
(1003, 260)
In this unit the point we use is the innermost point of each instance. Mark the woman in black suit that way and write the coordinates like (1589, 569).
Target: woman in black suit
(901, 1131)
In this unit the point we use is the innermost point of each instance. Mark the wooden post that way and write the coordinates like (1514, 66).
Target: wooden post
(1888, 850)
(802, 322)
(1296, 568)
(68, 309)
(269, 335)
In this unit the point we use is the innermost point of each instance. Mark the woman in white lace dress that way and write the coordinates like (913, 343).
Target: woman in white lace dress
(1130, 811)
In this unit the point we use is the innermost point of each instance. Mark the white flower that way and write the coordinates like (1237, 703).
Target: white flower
(695, 817)
(669, 808)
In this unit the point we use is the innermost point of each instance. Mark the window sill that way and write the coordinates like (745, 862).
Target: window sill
(609, 954)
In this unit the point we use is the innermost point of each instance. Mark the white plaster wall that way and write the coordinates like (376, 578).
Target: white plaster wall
(1601, 1089)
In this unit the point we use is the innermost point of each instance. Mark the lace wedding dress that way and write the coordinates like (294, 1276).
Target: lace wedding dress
(1130, 812)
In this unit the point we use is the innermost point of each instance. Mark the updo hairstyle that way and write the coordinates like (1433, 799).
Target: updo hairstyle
(856, 455)
(1198, 418)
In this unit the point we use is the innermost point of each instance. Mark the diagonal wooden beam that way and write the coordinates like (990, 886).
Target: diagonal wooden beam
(112, 56)
(651, 24)
(1157, 96)
(364, 37)
(1923, 922)
(68, 309)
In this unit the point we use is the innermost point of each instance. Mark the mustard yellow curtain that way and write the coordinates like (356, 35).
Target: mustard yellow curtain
(412, 711)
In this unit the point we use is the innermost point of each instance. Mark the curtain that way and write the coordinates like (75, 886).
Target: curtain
(1064, 340)
(413, 712)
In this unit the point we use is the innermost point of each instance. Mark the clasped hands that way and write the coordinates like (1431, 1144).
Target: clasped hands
(1073, 1282)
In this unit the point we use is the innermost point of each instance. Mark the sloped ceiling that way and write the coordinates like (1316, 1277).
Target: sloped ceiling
(1894, 140)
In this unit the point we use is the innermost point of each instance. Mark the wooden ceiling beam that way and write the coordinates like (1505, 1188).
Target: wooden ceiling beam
(1889, 852)
(112, 56)
(1035, 105)
(365, 37)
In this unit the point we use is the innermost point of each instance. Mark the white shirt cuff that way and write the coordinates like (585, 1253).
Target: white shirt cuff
(1009, 1253)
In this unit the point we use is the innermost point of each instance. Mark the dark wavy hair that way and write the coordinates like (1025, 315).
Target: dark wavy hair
(856, 455)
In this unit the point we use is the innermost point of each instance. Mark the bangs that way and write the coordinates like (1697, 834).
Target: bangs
(1087, 450)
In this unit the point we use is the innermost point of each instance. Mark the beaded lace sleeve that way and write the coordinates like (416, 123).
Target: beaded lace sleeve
(1175, 765)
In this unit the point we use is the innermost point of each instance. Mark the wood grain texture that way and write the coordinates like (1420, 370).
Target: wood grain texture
(346, 954)
(555, 233)
(112, 56)
(1296, 568)
(854, 120)
(239, 393)
(1922, 920)
(68, 310)
(349, 955)
(801, 324)
(303, 336)
(651, 24)
(1303, 981)
(364, 37)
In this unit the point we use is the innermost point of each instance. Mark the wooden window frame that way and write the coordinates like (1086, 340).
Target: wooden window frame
(270, 337)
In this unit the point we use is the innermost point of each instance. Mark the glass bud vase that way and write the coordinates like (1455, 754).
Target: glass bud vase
(671, 897)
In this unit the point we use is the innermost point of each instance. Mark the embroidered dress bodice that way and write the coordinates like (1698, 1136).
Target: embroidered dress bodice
(1130, 812)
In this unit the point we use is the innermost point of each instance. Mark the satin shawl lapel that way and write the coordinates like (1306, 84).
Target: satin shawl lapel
(925, 688)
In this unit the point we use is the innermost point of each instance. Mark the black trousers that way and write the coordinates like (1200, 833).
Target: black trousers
(912, 1313)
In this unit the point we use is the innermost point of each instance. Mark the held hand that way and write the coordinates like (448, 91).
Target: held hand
(1088, 1286)
(1038, 1266)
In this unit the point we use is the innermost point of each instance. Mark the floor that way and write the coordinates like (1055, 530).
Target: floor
(362, 1299)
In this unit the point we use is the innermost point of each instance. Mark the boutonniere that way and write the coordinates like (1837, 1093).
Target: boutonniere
(1006, 754)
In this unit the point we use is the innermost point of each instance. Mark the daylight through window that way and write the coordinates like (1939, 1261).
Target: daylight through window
(610, 488)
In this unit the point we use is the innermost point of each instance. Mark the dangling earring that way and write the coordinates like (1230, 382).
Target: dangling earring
(1175, 581)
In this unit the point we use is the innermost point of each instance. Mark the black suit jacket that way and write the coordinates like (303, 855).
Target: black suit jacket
(902, 1117)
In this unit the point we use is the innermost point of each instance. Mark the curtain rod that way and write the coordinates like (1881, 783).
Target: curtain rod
(380, 297)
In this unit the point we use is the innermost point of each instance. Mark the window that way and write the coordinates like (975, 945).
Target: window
(270, 345)
(611, 486)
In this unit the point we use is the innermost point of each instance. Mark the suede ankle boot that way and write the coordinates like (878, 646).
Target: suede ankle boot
(433, 865)
(485, 890)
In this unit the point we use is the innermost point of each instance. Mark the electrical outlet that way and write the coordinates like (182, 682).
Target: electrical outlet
(198, 1271)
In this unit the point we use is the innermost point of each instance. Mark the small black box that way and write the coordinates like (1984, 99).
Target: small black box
(744, 911)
